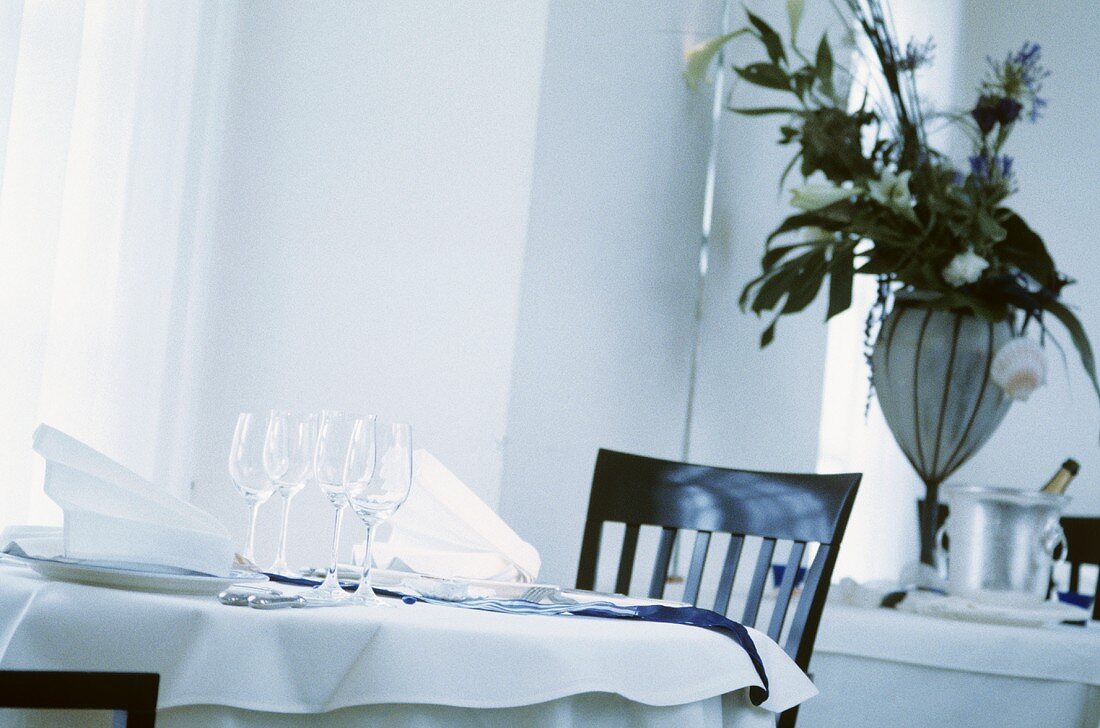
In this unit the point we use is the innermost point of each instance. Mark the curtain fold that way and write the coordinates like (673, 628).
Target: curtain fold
(100, 146)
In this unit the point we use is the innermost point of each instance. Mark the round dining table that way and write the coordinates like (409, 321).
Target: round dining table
(409, 664)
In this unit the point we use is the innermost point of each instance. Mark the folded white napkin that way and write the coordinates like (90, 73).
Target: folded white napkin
(112, 515)
(445, 530)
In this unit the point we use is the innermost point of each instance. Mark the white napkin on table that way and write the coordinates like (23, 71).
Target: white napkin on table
(445, 530)
(112, 515)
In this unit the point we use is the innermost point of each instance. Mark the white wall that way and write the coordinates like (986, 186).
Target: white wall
(604, 343)
(369, 240)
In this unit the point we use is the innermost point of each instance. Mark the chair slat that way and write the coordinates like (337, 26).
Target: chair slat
(729, 573)
(806, 604)
(590, 555)
(1074, 577)
(786, 588)
(759, 579)
(626, 560)
(660, 566)
(695, 571)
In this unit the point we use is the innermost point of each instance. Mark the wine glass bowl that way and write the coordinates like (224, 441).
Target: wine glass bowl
(343, 441)
(376, 490)
(288, 459)
(247, 469)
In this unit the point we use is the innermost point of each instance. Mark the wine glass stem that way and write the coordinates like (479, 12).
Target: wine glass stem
(331, 579)
(253, 510)
(364, 581)
(280, 558)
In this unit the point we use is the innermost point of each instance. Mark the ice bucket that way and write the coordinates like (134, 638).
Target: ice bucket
(1002, 543)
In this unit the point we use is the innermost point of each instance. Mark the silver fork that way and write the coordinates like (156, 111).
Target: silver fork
(545, 594)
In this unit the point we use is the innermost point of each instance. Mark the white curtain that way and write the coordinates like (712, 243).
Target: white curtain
(105, 125)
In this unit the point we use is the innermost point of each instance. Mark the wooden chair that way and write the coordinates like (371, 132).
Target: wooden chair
(802, 509)
(1083, 537)
(131, 695)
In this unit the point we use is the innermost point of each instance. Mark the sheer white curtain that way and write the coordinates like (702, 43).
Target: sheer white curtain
(105, 119)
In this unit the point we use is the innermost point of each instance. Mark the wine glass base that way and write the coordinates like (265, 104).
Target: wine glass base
(330, 593)
(365, 596)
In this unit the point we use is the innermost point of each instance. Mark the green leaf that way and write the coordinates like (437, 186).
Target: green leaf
(772, 42)
(699, 58)
(832, 218)
(774, 255)
(1023, 248)
(841, 272)
(771, 290)
(803, 80)
(1079, 337)
(806, 285)
(794, 16)
(767, 75)
(990, 228)
(766, 110)
(769, 333)
(824, 65)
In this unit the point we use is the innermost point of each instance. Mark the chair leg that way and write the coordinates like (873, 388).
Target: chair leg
(137, 718)
(787, 718)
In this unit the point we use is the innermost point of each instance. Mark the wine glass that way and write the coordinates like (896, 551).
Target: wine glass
(288, 459)
(377, 489)
(246, 467)
(330, 461)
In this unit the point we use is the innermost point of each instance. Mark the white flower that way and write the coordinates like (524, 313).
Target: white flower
(964, 268)
(892, 190)
(1019, 368)
(816, 195)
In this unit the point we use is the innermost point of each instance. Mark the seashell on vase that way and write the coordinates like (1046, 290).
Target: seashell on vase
(1019, 368)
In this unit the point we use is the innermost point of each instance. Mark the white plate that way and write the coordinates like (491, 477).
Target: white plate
(958, 608)
(99, 575)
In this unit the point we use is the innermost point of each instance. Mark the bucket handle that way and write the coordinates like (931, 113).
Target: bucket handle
(941, 550)
(1052, 539)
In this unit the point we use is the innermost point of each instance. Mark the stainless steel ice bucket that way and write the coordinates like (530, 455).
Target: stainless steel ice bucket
(1002, 543)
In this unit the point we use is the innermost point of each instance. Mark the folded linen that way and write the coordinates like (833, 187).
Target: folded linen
(445, 530)
(112, 515)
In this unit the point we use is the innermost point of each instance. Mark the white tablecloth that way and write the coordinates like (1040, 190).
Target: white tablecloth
(329, 660)
(879, 667)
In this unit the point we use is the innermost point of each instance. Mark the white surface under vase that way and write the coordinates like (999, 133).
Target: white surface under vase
(931, 373)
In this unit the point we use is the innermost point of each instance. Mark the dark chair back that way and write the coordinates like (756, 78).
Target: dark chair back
(1083, 537)
(132, 695)
(802, 509)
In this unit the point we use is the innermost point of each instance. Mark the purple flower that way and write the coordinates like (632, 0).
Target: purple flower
(985, 114)
(979, 166)
(1008, 110)
(986, 168)
(1037, 103)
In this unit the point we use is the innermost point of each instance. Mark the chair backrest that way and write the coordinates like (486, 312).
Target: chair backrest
(802, 509)
(132, 695)
(1083, 537)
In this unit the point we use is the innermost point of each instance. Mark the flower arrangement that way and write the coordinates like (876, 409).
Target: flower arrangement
(878, 200)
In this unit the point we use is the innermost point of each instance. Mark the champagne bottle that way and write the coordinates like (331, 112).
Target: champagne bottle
(1058, 484)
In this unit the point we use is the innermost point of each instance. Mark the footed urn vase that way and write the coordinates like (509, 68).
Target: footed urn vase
(931, 372)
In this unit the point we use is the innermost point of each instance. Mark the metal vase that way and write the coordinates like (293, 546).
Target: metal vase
(930, 370)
